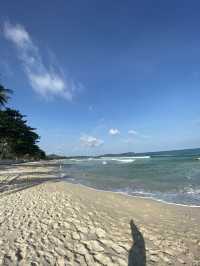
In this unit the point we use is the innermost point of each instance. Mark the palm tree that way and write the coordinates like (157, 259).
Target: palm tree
(4, 95)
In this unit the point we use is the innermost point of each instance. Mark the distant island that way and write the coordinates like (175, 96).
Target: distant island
(182, 152)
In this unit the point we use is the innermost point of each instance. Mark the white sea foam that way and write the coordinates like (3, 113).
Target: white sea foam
(141, 157)
(123, 160)
(76, 160)
(182, 194)
(128, 159)
(192, 191)
(125, 157)
(82, 160)
(142, 197)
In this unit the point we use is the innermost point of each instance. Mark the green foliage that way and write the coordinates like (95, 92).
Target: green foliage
(4, 95)
(17, 139)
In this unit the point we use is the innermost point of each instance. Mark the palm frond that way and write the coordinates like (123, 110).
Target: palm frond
(4, 95)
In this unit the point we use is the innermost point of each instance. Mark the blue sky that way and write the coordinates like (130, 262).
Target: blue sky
(104, 76)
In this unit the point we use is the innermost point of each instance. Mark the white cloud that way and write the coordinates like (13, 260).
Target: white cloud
(114, 131)
(47, 81)
(17, 34)
(90, 141)
(132, 132)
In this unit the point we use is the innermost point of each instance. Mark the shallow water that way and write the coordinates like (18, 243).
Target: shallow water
(174, 178)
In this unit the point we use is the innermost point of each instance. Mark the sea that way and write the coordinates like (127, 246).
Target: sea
(172, 176)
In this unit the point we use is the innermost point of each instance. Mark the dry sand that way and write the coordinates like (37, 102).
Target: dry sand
(47, 221)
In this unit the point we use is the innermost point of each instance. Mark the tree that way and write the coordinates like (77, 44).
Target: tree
(4, 95)
(17, 139)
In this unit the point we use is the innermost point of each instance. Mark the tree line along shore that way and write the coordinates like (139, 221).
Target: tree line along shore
(18, 140)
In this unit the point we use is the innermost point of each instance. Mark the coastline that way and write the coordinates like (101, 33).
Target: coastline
(134, 196)
(165, 180)
(56, 163)
(46, 220)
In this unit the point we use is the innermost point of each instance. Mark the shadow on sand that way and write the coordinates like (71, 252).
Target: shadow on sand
(137, 253)
(18, 184)
(16, 181)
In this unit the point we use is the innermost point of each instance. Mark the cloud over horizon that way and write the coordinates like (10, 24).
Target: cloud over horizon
(46, 81)
(90, 141)
(114, 131)
(132, 132)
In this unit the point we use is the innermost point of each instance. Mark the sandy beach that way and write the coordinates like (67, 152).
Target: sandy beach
(48, 221)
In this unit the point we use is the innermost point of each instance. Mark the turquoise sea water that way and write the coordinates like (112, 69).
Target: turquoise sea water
(172, 177)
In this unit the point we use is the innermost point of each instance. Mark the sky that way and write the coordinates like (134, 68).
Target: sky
(104, 76)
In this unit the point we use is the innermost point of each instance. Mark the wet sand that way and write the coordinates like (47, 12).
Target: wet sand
(47, 221)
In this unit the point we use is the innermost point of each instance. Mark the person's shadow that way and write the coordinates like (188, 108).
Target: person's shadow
(137, 253)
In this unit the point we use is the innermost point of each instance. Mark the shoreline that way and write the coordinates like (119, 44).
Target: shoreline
(46, 220)
(135, 196)
(56, 163)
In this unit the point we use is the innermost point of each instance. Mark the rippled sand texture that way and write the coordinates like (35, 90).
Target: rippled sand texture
(47, 221)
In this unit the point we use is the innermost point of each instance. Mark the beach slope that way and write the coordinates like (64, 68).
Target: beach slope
(47, 221)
